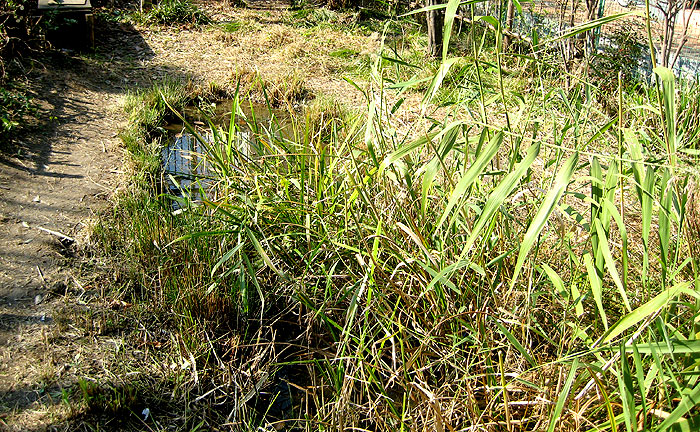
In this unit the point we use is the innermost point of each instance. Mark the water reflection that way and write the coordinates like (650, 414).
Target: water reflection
(187, 161)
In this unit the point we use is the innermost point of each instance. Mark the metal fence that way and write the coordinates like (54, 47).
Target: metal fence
(675, 26)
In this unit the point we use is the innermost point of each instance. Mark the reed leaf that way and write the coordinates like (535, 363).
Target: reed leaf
(644, 311)
(588, 26)
(673, 346)
(500, 193)
(669, 104)
(475, 170)
(562, 397)
(665, 210)
(689, 401)
(556, 282)
(596, 288)
(610, 263)
(548, 205)
(627, 393)
(266, 259)
(437, 80)
(450, 14)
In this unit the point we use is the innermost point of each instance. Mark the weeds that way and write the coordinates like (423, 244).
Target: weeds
(231, 26)
(526, 266)
(19, 34)
(147, 111)
(288, 90)
(175, 12)
(314, 17)
(15, 105)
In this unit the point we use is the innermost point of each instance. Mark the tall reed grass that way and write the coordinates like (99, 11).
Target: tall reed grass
(528, 270)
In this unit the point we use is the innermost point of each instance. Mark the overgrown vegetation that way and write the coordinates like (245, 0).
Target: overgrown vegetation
(520, 258)
(18, 35)
(18, 30)
(174, 12)
(14, 106)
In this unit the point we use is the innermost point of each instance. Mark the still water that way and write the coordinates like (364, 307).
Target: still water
(186, 160)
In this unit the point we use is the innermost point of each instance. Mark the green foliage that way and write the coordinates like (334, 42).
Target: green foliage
(231, 26)
(520, 245)
(147, 110)
(15, 106)
(175, 12)
(623, 52)
(108, 398)
(344, 53)
(688, 112)
(19, 32)
(113, 16)
(313, 17)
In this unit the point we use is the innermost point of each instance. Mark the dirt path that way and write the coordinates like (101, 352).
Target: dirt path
(51, 185)
(56, 179)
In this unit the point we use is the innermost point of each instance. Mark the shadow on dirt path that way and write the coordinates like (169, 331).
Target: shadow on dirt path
(51, 184)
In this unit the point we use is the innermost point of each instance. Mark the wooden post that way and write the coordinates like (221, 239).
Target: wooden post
(90, 30)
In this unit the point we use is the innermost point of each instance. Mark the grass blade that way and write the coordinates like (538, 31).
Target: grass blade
(610, 262)
(624, 379)
(266, 259)
(518, 346)
(450, 14)
(469, 177)
(556, 282)
(563, 396)
(596, 288)
(664, 220)
(500, 193)
(673, 346)
(538, 223)
(689, 401)
(643, 311)
(435, 84)
(669, 101)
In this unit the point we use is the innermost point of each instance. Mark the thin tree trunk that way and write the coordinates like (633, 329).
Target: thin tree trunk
(592, 7)
(688, 9)
(670, 10)
(435, 22)
(510, 15)
(667, 38)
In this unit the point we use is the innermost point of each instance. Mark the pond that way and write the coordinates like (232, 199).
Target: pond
(190, 173)
(187, 161)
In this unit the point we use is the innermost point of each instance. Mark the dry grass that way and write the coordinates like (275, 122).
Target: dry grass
(262, 42)
(318, 272)
(693, 214)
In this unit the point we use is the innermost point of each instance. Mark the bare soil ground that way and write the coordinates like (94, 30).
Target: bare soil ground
(52, 182)
(66, 169)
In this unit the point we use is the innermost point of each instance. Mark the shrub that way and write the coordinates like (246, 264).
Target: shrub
(18, 31)
(624, 51)
(14, 104)
(176, 12)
